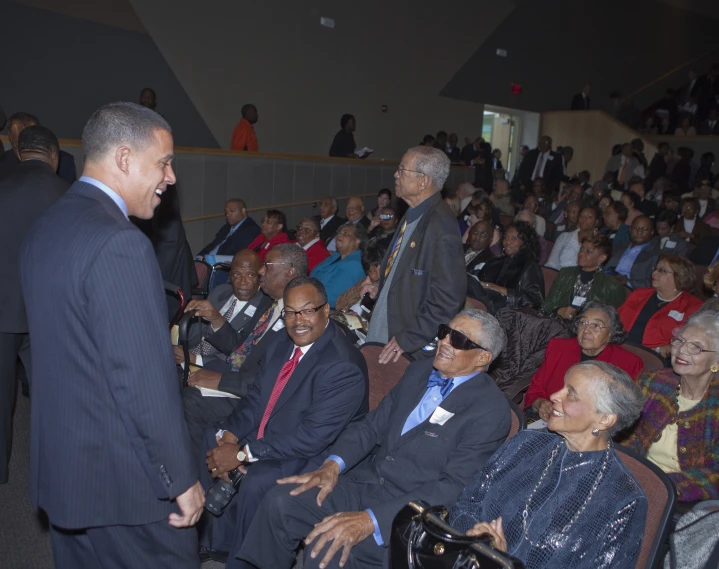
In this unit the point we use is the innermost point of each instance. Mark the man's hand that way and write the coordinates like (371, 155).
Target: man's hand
(371, 288)
(544, 408)
(180, 356)
(190, 503)
(222, 459)
(205, 310)
(493, 529)
(391, 352)
(345, 530)
(375, 221)
(204, 378)
(325, 479)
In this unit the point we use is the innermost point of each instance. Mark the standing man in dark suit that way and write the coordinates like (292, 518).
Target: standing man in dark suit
(580, 101)
(26, 191)
(419, 288)
(427, 439)
(246, 355)
(330, 222)
(313, 383)
(111, 461)
(541, 162)
(231, 310)
(658, 166)
(237, 233)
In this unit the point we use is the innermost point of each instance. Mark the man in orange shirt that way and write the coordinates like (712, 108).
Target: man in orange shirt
(243, 137)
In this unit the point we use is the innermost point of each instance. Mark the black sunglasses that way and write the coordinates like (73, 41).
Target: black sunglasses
(456, 339)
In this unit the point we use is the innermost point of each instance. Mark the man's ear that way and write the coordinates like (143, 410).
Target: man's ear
(123, 158)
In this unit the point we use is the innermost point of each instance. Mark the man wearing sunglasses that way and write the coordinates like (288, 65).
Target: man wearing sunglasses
(427, 439)
(312, 384)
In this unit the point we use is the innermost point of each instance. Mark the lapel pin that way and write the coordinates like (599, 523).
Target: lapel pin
(412, 244)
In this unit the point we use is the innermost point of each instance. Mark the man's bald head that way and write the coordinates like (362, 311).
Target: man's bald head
(355, 208)
(235, 211)
(245, 274)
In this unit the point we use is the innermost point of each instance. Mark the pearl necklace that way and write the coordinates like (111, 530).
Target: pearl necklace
(525, 511)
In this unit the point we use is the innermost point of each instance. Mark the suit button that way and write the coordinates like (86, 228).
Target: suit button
(682, 449)
(381, 480)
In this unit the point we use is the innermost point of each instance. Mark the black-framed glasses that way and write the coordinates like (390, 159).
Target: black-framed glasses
(692, 348)
(301, 229)
(401, 169)
(305, 313)
(591, 325)
(456, 339)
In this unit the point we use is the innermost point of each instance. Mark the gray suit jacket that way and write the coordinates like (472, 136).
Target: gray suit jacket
(641, 274)
(675, 245)
(614, 164)
(430, 462)
(237, 329)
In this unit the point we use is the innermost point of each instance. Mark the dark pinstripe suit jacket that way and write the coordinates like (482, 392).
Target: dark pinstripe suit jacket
(109, 444)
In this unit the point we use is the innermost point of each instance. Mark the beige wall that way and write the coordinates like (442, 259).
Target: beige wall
(303, 77)
(592, 135)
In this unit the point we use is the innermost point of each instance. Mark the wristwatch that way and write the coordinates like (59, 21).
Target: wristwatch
(242, 455)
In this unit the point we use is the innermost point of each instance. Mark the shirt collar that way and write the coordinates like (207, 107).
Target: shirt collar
(315, 240)
(112, 194)
(414, 213)
(234, 227)
(460, 379)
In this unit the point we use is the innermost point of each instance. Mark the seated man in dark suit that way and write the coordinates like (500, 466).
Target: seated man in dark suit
(632, 263)
(234, 306)
(329, 220)
(313, 383)
(476, 251)
(237, 233)
(245, 355)
(355, 214)
(425, 441)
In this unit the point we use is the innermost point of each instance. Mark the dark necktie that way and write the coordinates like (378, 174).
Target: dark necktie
(239, 356)
(282, 379)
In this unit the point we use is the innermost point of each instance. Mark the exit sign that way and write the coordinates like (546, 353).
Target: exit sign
(516, 89)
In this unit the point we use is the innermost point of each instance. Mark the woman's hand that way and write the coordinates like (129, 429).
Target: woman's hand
(665, 351)
(494, 530)
(544, 408)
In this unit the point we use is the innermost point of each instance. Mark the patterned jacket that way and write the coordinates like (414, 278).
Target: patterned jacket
(698, 437)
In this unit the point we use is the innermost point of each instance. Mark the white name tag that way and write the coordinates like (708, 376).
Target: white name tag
(678, 316)
(561, 227)
(550, 157)
(440, 416)
(479, 267)
(670, 244)
(250, 311)
(578, 301)
(278, 325)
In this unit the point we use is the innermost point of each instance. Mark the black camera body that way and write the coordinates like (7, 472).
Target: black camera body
(221, 492)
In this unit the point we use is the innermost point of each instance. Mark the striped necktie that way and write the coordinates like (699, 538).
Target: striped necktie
(239, 356)
(395, 250)
(205, 347)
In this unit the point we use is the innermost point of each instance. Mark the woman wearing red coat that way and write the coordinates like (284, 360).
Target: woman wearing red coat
(650, 314)
(308, 237)
(598, 330)
(273, 233)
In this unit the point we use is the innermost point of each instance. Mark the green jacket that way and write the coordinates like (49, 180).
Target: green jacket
(605, 289)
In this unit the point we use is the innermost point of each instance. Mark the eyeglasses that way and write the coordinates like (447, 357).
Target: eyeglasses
(386, 216)
(591, 325)
(301, 229)
(305, 313)
(456, 339)
(663, 271)
(267, 264)
(692, 348)
(481, 233)
(401, 169)
(641, 229)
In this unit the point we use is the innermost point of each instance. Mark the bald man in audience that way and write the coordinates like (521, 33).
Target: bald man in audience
(355, 214)
(237, 233)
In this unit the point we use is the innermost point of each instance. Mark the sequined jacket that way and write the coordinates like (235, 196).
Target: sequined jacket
(569, 524)
(698, 436)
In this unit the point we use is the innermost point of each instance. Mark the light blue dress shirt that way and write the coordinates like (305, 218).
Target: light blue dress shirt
(624, 267)
(114, 196)
(221, 243)
(424, 409)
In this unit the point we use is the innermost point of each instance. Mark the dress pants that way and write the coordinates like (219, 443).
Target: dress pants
(202, 413)
(157, 545)
(11, 346)
(283, 521)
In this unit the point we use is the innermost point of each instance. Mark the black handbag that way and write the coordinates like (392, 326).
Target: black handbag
(422, 539)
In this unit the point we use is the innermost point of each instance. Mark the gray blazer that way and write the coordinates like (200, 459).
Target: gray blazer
(614, 164)
(641, 274)
(237, 329)
(675, 245)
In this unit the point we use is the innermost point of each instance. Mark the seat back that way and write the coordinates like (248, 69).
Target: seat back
(519, 421)
(548, 252)
(220, 275)
(661, 498)
(550, 232)
(204, 271)
(505, 219)
(652, 360)
(549, 276)
(702, 291)
(474, 303)
(382, 377)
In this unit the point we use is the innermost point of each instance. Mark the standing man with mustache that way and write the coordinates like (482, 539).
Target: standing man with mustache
(111, 461)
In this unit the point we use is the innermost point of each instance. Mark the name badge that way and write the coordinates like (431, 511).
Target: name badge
(250, 311)
(278, 325)
(678, 316)
(578, 301)
(479, 267)
(670, 244)
(561, 227)
(440, 416)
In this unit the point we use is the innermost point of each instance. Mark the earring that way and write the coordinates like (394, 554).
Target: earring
(714, 368)
(595, 432)
(599, 268)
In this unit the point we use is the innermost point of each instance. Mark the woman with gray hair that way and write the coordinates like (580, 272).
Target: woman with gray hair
(599, 332)
(679, 426)
(562, 498)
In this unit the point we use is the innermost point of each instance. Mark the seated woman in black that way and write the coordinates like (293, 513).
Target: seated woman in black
(514, 279)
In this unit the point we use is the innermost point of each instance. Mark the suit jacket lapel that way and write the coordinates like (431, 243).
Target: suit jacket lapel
(275, 361)
(241, 318)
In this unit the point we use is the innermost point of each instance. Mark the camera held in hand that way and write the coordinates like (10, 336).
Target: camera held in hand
(221, 492)
(367, 305)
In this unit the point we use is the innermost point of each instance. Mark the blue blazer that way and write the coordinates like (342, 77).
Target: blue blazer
(109, 444)
(326, 391)
(239, 240)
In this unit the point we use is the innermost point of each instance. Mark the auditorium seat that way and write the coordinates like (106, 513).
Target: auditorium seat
(652, 360)
(382, 377)
(549, 276)
(474, 303)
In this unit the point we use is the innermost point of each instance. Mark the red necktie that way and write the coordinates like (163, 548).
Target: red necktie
(282, 380)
